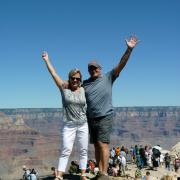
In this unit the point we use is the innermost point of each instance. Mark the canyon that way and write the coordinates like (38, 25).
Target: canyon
(30, 136)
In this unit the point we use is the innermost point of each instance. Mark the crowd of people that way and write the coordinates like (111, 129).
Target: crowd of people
(120, 157)
(143, 157)
(119, 160)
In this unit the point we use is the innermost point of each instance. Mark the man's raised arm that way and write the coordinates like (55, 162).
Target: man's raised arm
(131, 43)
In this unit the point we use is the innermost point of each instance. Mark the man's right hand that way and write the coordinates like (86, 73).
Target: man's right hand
(132, 41)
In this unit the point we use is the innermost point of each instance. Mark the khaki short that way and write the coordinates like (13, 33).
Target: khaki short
(100, 129)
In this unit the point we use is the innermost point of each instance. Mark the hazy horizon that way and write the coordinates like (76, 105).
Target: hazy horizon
(113, 107)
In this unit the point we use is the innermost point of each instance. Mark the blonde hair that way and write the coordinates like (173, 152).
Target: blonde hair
(73, 72)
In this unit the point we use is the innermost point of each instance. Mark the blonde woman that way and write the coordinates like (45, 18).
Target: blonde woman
(74, 118)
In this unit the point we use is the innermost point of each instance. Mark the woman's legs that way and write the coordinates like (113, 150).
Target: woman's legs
(68, 135)
(82, 138)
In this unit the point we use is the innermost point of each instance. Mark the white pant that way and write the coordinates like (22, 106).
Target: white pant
(68, 135)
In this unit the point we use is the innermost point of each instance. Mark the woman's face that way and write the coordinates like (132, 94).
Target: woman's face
(75, 81)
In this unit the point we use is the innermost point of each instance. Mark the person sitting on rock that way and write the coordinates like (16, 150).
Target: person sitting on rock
(147, 176)
(54, 171)
(27, 171)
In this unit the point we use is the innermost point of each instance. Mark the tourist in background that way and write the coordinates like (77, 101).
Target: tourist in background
(167, 160)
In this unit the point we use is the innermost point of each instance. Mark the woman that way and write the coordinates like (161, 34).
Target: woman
(74, 118)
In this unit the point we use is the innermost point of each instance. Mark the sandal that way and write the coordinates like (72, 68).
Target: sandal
(58, 178)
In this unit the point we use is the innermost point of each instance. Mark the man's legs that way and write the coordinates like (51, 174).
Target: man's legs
(102, 156)
(100, 129)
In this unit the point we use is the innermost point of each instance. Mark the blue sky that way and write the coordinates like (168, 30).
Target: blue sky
(75, 32)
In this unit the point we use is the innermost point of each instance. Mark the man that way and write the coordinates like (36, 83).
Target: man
(167, 160)
(98, 90)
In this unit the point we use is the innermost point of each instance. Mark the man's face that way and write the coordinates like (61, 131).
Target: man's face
(94, 72)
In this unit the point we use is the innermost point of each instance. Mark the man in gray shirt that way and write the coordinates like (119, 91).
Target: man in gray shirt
(98, 91)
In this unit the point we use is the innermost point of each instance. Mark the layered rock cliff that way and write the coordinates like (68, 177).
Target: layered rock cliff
(31, 136)
(147, 125)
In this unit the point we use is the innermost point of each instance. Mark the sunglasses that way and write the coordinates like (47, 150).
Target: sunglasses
(75, 78)
(92, 68)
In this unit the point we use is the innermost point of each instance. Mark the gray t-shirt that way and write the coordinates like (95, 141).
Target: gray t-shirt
(99, 95)
(74, 106)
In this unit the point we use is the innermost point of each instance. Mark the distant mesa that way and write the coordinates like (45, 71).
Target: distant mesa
(5, 121)
(19, 121)
(20, 125)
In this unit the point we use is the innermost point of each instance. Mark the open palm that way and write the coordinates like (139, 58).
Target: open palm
(45, 55)
(132, 41)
